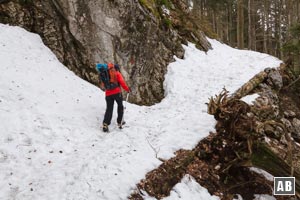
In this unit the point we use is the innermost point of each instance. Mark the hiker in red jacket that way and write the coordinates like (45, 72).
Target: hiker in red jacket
(112, 94)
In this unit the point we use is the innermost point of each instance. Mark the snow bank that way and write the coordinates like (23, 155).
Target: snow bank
(262, 172)
(249, 99)
(189, 189)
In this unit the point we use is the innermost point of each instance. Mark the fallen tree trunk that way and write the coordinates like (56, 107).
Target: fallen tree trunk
(250, 85)
(266, 159)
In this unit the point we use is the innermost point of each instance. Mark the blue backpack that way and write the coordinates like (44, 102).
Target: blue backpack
(107, 76)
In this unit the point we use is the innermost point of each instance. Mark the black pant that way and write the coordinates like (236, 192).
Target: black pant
(110, 107)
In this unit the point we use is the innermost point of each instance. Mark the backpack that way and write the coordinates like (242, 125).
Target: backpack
(107, 75)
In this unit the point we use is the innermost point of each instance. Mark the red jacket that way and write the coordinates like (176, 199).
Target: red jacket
(117, 89)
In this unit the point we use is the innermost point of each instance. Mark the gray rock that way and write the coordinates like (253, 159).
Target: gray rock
(287, 124)
(84, 32)
(289, 113)
(296, 125)
(275, 79)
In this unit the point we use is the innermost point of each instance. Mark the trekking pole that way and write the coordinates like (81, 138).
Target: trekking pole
(127, 96)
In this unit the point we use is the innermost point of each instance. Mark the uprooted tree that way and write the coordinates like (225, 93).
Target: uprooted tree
(264, 135)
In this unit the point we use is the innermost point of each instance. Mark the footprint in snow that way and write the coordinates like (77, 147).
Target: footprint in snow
(3, 156)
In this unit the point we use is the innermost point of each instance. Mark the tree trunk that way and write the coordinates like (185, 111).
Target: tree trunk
(232, 39)
(289, 16)
(280, 23)
(298, 11)
(240, 24)
(250, 38)
(266, 159)
(264, 27)
(227, 24)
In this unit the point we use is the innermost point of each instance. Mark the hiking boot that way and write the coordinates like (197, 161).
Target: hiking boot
(105, 127)
(121, 124)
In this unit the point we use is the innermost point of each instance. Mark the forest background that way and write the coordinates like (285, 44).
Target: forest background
(268, 26)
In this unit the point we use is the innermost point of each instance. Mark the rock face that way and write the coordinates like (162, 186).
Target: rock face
(141, 37)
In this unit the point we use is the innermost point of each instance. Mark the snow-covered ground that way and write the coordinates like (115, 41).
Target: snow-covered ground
(187, 189)
(51, 144)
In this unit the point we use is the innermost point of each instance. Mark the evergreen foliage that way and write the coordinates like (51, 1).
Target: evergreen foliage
(293, 45)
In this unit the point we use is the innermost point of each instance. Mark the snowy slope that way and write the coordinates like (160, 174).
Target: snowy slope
(51, 146)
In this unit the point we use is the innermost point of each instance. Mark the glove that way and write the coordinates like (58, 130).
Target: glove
(103, 89)
(101, 86)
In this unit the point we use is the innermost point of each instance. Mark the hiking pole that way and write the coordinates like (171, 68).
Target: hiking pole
(127, 96)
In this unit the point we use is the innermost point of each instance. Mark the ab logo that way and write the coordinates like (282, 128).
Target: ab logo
(284, 185)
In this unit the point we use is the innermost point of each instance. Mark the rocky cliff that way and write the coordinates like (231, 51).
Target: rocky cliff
(142, 36)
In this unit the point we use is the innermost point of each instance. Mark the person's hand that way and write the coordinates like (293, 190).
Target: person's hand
(101, 86)
(129, 90)
(103, 89)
